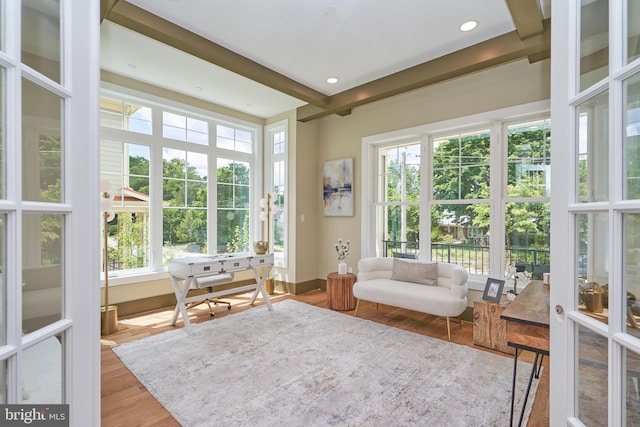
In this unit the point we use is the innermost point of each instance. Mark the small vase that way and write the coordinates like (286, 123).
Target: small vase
(342, 267)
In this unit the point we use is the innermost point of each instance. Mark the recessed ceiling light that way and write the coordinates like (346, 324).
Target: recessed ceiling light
(332, 80)
(468, 26)
(131, 65)
(198, 87)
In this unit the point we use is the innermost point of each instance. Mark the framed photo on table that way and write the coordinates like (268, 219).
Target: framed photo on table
(493, 290)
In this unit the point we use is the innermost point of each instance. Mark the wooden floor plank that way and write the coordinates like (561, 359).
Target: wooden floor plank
(125, 402)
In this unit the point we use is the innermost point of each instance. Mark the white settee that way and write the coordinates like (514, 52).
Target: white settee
(436, 288)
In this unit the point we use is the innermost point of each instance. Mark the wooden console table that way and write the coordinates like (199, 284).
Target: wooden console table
(340, 291)
(527, 320)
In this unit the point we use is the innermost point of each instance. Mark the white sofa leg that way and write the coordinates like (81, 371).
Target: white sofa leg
(449, 327)
(355, 313)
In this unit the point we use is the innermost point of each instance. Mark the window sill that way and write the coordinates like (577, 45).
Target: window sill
(128, 279)
(476, 283)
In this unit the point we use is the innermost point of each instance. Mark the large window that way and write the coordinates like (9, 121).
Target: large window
(159, 159)
(276, 183)
(477, 196)
(126, 167)
(460, 213)
(527, 206)
(233, 206)
(398, 198)
(184, 197)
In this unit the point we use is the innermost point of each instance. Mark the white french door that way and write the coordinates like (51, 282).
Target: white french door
(49, 229)
(595, 213)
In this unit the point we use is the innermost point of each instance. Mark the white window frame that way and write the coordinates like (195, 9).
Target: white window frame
(493, 120)
(157, 142)
(270, 159)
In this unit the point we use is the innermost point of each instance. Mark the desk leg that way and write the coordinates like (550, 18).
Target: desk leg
(513, 384)
(181, 294)
(260, 286)
(535, 372)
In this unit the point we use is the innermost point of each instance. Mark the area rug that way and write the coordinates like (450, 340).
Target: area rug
(301, 365)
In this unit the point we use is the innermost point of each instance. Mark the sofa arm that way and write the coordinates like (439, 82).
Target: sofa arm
(459, 291)
(454, 277)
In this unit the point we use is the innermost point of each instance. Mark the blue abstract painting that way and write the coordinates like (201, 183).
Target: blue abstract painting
(337, 183)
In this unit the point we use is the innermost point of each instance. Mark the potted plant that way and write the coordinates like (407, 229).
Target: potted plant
(342, 248)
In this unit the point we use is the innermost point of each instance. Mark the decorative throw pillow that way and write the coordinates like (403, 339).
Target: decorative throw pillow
(421, 272)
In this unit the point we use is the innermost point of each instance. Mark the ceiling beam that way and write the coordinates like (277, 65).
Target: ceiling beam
(499, 50)
(150, 25)
(527, 17)
(105, 8)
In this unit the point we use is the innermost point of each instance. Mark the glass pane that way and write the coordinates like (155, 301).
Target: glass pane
(42, 372)
(592, 378)
(460, 235)
(197, 131)
(184, 232)
(3, 142)
(527, 237)
(233, 230)
(115, 113)
(3, 381)
(400, 172)
(633, 30)
(278, 142)
(126, 168)
(632, 388)
(529, 159)
(197, 194)
(631, 259)
(234, 139)
(279, 217)
(401, 230)
(593, 149)
(632, 137)
(461, 166)
(42, 274)
(594, 42)
(41, 37)
(241, 196)
(174, 163)
(3, 288)
(41, 144)
(197, 166)
(137, 119)
(592, 267)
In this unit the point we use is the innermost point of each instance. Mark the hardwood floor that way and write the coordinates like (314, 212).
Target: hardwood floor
(126, 403)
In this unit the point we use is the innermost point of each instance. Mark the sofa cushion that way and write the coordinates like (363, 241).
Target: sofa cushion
(421, 272)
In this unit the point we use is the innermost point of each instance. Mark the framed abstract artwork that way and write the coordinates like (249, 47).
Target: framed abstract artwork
(337, 187)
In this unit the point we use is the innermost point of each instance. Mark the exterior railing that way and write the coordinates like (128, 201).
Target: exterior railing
(475, 258)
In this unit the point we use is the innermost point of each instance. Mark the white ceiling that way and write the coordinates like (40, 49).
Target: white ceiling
(308, 41)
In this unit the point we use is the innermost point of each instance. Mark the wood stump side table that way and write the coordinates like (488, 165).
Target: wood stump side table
(489, 330)
(340, 291)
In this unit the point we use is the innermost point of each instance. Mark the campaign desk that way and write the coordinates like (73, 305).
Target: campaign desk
(527, 323)
(186, 271)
